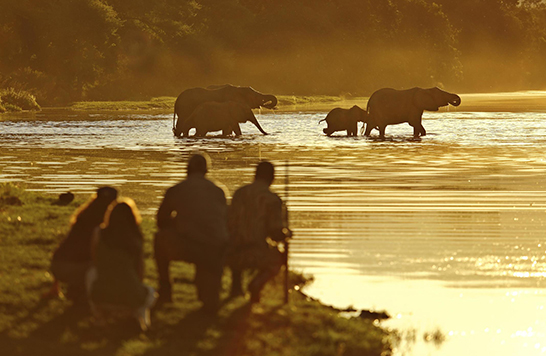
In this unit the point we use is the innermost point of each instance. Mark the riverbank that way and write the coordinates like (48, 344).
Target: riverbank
(285, 103)
(523, 101)
(31, 226)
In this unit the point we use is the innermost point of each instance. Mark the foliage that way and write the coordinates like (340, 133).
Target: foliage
(66, 51)
(166, 103)
(31, 226)
(17, 100)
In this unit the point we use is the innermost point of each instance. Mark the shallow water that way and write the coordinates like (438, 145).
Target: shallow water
(444, 233)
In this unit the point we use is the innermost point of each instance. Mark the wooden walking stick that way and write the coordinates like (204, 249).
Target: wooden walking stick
(286, 244)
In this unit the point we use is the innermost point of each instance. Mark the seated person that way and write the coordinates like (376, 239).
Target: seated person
(115, 282)
(255, 217)
(72, 258)
(191, 223)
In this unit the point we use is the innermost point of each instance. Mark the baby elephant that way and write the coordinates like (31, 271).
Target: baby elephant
(344, 119)
(215, 116)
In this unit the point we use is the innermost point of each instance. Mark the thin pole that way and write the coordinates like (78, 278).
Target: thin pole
(286, 244)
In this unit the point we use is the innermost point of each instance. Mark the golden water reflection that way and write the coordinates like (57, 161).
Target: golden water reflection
(445, 233)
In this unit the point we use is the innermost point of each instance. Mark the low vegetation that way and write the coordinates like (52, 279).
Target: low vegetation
(31, 226)
(12, 100)
(167, 103)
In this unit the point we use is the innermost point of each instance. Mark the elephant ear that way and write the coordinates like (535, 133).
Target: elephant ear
(424, 100)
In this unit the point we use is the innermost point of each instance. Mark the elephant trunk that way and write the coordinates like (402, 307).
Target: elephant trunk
(257, 124)
(455, 100)
(270, 101)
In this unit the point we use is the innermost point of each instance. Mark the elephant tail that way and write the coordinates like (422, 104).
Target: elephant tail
(322, 120)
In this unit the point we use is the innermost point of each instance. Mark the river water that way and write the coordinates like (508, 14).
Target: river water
(445, 233)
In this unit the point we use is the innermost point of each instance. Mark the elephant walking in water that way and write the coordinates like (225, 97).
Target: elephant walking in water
(190, 99)
(339, 119)
(213, 116)
(390, 106)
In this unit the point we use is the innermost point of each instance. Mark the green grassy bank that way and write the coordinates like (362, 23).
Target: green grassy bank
(31, 226)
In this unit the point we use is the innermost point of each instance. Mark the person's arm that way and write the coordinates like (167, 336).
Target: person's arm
(94, 242)
(164, 213)
(275, 224)
(140, 263)
(232, 216)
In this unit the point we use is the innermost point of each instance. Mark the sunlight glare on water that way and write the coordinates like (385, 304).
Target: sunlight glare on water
(444, 233)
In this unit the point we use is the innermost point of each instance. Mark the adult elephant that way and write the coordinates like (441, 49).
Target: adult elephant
(339, 119)
(190, 99)
(389, 106)
(214, 116)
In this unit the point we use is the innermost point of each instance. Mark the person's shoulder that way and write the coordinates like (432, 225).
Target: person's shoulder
(244, 188)
(275, 197)
(175, 188)
(216, 186)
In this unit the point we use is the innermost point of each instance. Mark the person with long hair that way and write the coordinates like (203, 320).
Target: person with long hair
(117, 278)
(72, 259)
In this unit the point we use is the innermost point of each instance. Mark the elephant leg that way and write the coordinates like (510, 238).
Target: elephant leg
(237, 130)
(369, 128)
(419, 130)
(352, 130)
(381, 129)
(423, 131)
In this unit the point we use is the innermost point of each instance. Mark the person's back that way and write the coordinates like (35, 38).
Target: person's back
(76, 247)
(200, 211)
(192, 227)
(255, 214)
(118, 282)
(119, 265)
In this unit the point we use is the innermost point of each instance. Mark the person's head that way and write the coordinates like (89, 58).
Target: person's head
(197, 165)
(265, 172)
(107, 193)
(121, 224)
(92, 212)
(122, 213)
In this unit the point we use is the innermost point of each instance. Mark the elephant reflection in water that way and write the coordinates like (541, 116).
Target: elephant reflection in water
(339, 119)
(213, 116)
(190, 99)
(389, 107)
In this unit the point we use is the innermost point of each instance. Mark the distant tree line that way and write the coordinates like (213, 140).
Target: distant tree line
(68, 50)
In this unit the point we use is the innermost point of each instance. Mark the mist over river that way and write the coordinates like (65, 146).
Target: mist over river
(445, 233)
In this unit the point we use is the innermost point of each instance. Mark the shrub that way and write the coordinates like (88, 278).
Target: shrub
(12, 108)
(17, 99)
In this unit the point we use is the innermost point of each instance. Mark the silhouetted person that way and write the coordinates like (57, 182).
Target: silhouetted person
(72, 258)
(192, 227)
(255, 215)
(116, 278)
